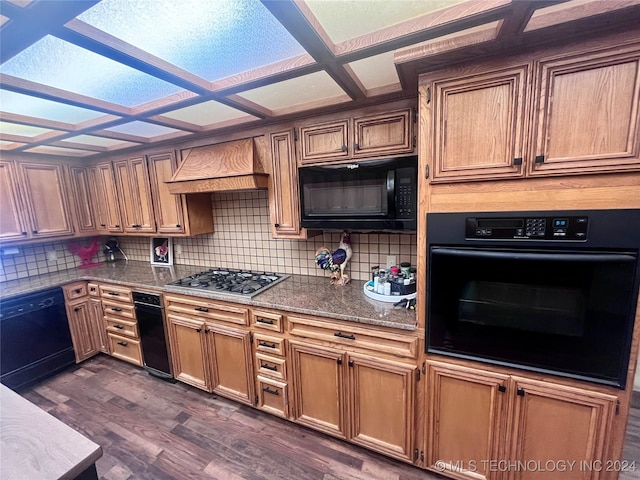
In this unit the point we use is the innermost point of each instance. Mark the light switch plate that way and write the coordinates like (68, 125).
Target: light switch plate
(391, 261)
(52, 256)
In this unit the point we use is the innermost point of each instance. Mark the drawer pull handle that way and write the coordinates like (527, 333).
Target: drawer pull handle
(77, 309)
(268, 345)
(344, 335)
(116, 309)
(77, 290)
(119, 327)
(201, 309)
(272, 392)
(115, 294)
(268, 322)
(273, 368)
(124, 344)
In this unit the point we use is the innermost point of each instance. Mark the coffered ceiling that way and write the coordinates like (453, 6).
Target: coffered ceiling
(81, 78)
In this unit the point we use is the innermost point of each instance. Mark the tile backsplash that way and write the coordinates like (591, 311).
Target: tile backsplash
(243, 240)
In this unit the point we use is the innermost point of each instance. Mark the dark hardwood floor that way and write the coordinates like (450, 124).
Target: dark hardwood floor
(150, 429)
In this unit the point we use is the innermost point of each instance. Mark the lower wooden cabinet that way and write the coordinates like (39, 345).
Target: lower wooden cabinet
(367, 400)
(95, 306)
(83, 330)
(477, 418)
(125, 348)
(212, 357)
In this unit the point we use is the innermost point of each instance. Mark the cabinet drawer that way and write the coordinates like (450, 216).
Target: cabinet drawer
(75, 290)
(273, 397)
(192, 307)
(268, 344)
(94, 290)
(267, 321)
(378, 341)
(125, 349)
(118, 309)
(119, 293)
(122, 327)
(273, 367)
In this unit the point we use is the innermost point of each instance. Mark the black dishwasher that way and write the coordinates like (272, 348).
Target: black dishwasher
(35, 341)
(153, 337)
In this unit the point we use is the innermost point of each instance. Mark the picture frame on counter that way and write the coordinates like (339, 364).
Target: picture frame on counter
(161, 251)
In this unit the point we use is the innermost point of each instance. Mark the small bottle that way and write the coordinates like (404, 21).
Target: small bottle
(405, 267)
(376, 284)
(387, 288)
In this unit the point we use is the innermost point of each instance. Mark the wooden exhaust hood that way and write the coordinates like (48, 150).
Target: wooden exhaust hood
(222, 167)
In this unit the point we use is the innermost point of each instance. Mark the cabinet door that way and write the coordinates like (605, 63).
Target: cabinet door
(188, 351)
(319, 388)
(108, 206)
(99, 326)
(46, 200)
(167, 207)
(466, 411)
(231, 362)
(284, 200)
(551, 423)
(587, 114)
(384, 134)
(12, 223)
(479, 125)
(132, 180)
(382, 405)
(82, 330)
(325, 142)
(84, 205)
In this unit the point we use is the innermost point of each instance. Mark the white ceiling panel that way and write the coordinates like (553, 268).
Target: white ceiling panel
(207, 113)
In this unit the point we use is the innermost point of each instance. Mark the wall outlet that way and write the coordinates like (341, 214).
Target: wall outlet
(178, 249)
(52, 256)
(391, 261)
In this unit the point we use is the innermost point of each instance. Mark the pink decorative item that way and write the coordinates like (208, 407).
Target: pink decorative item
(85, 252)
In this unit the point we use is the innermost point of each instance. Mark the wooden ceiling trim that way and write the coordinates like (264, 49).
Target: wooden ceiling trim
(104, 121)
(28, 25)
(174, 123)
(10, 137)
(36, 122)
(318, 104)
(79, 146)
(244, 121)
(97, 41)
(27, 87)
(431, 25)
(121, 136)
(244, 105)
(290, 16)
(168, 136)
(168, 103)
(577, 12)
(316, 25)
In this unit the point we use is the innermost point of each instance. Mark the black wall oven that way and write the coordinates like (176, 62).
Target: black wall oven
(545, 291)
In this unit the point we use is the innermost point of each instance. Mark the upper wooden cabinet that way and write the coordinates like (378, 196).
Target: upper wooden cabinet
(134, 193)
(85, 205)
(13, 225)
(44, 193)
(107, 206)
(568, 110)
(363, 136)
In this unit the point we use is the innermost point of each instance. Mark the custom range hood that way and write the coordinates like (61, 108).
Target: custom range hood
(222, 167)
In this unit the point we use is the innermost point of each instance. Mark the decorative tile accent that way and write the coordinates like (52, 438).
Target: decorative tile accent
(243, 240)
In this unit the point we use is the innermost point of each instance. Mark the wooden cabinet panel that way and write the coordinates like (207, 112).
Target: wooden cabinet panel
(389, 132)
(318, 382)
(284, 200)
(267, 321)
(121, 294)
(587, 113)
(231, 363)
(324, 142)
(558, 423)
(207, 310)
(273, 397)
(85, 205)
(382, 405)
(134, 192)
(188, 351)
(83, 335)
(125, 349)
(108, 206)
(167, 207)
(269, 366)
(12, 223)
(479, 125)
(466, 418)
(45, 198)
(95, 306)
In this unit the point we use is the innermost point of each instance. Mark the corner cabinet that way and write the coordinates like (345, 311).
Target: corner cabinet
(366, 135)
(568, 110)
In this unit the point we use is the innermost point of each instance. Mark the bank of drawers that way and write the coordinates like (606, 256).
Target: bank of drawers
(122, 326)
(270, 363)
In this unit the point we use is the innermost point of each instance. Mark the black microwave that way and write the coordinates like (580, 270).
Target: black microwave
(372, 195)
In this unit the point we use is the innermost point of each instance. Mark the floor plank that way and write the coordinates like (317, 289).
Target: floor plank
(150, 429)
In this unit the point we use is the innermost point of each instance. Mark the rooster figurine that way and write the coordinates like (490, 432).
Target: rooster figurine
(85, 252)
(336, 261)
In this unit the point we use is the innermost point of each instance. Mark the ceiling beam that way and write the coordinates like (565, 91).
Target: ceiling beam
(36, 122)
(34, 22)
(291, 18)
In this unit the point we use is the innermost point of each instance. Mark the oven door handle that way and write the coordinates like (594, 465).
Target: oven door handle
(512, 255)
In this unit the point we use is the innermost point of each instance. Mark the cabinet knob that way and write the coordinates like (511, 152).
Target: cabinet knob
(351, 363)
(344, 148)
(356, 146)
(517, 161)
(539, 159)
(520, 392)
(198, 330)
(24, 233)
(277, 225)
(34, 232)
(117, 226)
(102, 225)
(178, 225)
(77, 309)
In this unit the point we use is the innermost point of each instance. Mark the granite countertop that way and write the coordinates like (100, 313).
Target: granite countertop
(298, 293)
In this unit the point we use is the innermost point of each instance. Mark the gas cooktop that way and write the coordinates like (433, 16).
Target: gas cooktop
(236, 282)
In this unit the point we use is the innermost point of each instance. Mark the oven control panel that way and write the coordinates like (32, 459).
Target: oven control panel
(572, 228)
